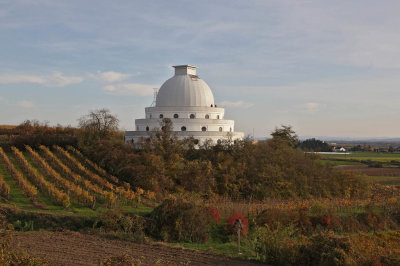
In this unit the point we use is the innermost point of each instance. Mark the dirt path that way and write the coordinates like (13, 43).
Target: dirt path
(72, 248)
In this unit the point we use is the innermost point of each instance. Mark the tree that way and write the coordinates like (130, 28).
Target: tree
(287, 134)
(98, 124)
(314, 145)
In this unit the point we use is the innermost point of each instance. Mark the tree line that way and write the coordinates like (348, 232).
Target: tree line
(276, 168)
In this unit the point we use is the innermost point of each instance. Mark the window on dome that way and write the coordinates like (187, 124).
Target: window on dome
(183, 128)
(203, 129)
(161, 116)
(217, 116)
(147, 128)
(207, 116)
(192, 116)
(220, 129)
(176, 116)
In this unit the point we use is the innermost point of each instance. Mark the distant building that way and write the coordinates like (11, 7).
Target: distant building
(337, 149)
(189, 102)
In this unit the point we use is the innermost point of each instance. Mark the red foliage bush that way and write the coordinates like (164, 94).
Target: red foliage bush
(214, 212)
(231, 223)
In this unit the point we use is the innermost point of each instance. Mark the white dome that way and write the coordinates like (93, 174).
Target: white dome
(185, 89)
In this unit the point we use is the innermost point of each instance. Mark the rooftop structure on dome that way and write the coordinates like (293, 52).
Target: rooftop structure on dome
(189, 102)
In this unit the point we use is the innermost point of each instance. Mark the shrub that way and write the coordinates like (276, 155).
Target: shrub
(276, 246)
(114, 222)
(180, 219)
(326, 248)
(274, 217)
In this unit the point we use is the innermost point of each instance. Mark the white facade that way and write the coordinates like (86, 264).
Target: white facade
(189, 102)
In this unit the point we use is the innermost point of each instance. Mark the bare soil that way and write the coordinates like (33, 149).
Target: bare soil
(73, 248)
(373, 171)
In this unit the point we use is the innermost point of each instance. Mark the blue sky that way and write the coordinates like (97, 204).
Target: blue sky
(328, 68)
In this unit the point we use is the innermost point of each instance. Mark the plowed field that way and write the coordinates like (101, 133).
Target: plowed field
(72, 248)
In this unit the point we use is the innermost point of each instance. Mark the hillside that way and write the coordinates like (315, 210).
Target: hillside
(63, 181)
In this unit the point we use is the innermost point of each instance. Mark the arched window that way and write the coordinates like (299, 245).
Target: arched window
(147, 128)
(161, 116)
(207, 116)
(217, 116)
(183, 128)
(192, 116)
(220, 129)
(176, 116)
(219, 141)
(230, 129)
(137, 128)
(203, 129)
(151, 116)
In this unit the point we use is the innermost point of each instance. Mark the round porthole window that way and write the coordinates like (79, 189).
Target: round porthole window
(219, 141)
(183, 128)
(207, 116)
(192, 116)
(161, 116)
(176, 116)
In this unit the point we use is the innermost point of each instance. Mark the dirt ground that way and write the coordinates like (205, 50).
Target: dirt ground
(72, 248)
(372, 171)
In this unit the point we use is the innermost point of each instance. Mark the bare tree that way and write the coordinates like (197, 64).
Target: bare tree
(99, 123)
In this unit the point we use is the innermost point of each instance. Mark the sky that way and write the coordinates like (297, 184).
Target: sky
(327, 68)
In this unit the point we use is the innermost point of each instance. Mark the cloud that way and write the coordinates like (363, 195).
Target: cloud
(311, 107)
(26, 104)
(130, 89)
(56, 79)
(238, 104)
(111, 76)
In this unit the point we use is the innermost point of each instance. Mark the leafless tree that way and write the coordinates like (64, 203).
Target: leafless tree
(99, 122)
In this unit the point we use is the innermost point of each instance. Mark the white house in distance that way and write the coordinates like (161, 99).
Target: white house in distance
(189, 102)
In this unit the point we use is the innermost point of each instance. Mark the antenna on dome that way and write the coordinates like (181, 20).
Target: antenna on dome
(155, 91)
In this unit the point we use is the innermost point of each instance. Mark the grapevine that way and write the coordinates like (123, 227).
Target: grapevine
(79, 194)
(54, 193)
(4, 188)
(27, 189)
(75, 177)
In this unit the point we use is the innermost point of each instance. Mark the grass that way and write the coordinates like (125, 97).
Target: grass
(340, 162)
(373, 156)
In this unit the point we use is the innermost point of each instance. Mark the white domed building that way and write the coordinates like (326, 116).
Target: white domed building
(189, 102)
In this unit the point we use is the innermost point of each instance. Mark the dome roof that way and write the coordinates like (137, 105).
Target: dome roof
(185, 89)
